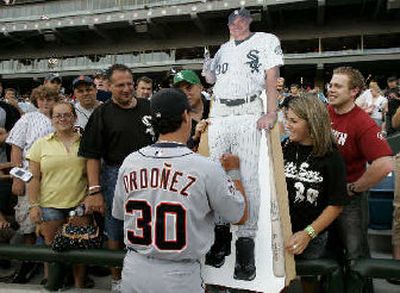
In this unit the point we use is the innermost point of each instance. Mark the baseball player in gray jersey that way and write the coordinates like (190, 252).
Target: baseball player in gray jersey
(241, 69)
(167, 195)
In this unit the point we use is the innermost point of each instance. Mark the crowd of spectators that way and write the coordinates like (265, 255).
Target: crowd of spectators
(75, 145)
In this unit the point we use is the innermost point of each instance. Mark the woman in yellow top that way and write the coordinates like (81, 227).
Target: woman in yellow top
(59, 180)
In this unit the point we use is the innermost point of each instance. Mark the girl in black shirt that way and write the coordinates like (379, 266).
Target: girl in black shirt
(315, 176)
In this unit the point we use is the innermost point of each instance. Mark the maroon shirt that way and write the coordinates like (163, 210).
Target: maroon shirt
(359, 139)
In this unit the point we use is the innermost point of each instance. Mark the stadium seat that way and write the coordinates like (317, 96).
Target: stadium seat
(380, 202)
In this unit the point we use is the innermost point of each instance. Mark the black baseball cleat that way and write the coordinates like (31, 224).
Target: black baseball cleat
(245, 268)
(221, 247)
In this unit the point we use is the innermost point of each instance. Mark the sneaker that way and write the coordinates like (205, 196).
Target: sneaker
(89, 283)
(24, 273)
(221, 247)
(98, 271)
(116, 286)
(245, 268)
(5, 264)
(393, 281)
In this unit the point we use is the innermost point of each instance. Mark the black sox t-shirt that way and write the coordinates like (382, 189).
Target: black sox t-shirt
(112, 133)
(313, 183)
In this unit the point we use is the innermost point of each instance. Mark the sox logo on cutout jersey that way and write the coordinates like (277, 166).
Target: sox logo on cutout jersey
(240, 69)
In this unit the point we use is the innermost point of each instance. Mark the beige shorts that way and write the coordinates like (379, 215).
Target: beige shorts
(396, 203)
(26, 226)
(396, 226)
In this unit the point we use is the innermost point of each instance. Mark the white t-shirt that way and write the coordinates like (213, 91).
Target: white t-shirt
(366, 100)
(83, 115)
(3, 155)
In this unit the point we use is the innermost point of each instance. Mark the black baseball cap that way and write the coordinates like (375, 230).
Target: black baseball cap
(82, 79)
(171, 102)
(242, 12)
(100, 74)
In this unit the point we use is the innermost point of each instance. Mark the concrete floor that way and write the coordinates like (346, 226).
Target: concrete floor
(102, 284)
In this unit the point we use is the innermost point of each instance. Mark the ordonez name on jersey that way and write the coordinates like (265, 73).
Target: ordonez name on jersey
(156, 178)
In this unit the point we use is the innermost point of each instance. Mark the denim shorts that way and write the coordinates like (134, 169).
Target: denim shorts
(54, 214)
(113, 227)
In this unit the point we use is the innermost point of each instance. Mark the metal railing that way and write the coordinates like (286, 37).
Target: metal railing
(84, 64)
(374, 268)
(74, 7)
(151, 59)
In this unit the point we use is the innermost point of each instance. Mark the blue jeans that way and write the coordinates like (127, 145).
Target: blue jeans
(353, 227)
(113, 228)
(353, 231)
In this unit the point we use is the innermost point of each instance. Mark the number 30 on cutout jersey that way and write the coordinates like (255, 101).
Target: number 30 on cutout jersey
(166, 197)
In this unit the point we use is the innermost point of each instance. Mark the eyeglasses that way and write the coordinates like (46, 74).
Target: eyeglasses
(63, 115)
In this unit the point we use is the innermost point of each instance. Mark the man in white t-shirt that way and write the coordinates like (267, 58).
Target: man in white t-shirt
(85, 92)
(373, 102)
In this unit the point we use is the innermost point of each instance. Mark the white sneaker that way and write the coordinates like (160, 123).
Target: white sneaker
(116, 286)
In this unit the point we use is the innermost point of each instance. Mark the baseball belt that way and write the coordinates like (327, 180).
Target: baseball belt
(237, 102)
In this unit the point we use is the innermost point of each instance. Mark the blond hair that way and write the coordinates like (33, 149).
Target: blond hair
(375, 86)
(311, 109)
(43, 92)
(356, 79)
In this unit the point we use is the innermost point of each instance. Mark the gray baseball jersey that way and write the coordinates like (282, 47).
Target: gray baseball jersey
(167, 195)
(240, 68)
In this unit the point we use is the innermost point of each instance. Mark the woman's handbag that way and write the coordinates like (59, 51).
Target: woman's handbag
(79, 233)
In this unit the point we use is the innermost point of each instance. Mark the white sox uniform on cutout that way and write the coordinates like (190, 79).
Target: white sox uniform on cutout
(240, 72)
(167, 195)
(240, 69)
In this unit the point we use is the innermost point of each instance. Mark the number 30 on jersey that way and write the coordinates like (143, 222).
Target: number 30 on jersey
(142, 231)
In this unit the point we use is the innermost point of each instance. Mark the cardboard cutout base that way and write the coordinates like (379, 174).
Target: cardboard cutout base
(265, 280)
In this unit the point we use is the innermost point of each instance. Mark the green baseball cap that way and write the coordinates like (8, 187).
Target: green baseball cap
(186, 75)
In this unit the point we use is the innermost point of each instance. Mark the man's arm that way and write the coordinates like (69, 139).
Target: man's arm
(93, 171)
(375, 173)
(272, 93)
(94, 203)
(207, 72)
(34, 193)
(268, 120)
(3, 135)
(18, 186)
(396, 119)
(4, 171)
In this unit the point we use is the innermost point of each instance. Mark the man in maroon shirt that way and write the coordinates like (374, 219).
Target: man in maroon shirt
(360, 142)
